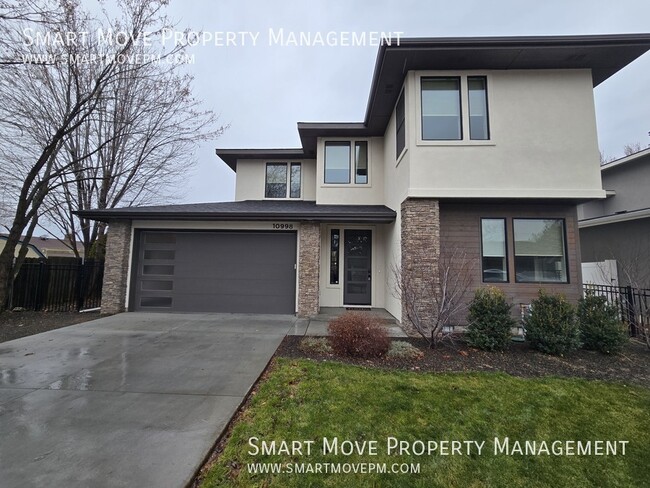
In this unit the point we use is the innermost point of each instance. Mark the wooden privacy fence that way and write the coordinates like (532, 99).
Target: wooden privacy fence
(58, 285)
(633, 304)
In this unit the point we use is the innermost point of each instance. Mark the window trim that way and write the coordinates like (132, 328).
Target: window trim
(288, 165)
(460, 107)
(565, 246)
(352, 169)
(507, 249)
(419, 75)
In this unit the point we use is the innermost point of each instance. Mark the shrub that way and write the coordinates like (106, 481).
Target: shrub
(600, 327)
(551, 325)
(489, 318)
(318, 345)
(403, 350)
(358, 335)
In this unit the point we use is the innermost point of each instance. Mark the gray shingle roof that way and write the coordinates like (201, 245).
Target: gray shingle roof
(285, 210)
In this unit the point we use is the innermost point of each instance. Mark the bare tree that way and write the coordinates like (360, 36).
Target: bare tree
(632, 148)
(432, 304)
(45, 101)
(604, 158)
(153, 124)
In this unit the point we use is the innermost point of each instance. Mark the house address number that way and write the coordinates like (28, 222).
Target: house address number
(283, 226)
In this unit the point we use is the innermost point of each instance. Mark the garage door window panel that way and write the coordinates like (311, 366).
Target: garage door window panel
(156, 302)
(158, 269)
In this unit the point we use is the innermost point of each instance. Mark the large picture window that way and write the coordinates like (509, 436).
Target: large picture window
(282, 180)
(441, 114)
(540, 254)
(493, 248)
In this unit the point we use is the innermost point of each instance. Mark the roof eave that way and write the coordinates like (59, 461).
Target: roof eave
(370, 217)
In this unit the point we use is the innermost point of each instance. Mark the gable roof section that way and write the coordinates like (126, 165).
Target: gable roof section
(604, 55)
(250, 210)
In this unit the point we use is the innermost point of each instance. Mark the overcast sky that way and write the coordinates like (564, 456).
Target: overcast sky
(262, 90)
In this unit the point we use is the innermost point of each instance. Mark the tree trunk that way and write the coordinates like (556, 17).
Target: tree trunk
(6, 272)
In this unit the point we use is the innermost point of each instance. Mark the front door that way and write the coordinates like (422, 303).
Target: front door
(357, 279)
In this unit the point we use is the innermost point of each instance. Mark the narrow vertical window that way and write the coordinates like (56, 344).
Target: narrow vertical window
(493, 248)
(276, 180)
(337, 162)
(361, 162)
(400, 126)
(295, 181)
(334, 256)
(478, 108)
(441, 114)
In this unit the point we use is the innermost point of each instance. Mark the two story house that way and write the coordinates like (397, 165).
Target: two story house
(481, 145)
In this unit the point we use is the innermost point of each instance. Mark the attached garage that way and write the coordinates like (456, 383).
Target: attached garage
(215, 271)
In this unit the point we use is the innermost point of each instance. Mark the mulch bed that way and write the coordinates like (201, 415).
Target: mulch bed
(631, 366)
(14, 325)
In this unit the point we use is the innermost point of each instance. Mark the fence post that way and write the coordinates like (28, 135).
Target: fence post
(79, 289)
(38, 292)
(631, 315)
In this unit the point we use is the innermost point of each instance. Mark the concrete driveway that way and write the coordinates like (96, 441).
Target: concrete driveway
(135, 399)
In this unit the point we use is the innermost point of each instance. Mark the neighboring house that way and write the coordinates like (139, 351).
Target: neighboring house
(32, 250)
(44, 247)
(482, 145)
(618, 228)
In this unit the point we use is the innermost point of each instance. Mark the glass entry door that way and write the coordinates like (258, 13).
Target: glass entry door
(357, 278)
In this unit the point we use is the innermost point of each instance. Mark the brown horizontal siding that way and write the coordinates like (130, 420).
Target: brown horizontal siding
(460, 229)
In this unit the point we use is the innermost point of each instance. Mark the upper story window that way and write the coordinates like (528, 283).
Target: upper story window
(282, 180)
(343, 165)
(441, 119)
(442, 101)
(400, 126)
(478, 109)
(361, 162)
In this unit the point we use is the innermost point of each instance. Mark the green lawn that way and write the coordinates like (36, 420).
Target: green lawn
(304, 400)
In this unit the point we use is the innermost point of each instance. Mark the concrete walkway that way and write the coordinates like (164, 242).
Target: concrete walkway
(317, 326)
(134, 399)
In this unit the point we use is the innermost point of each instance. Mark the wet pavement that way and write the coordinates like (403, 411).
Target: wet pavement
(135, 399)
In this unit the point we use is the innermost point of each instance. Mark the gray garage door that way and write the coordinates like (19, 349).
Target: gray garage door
(235, 272)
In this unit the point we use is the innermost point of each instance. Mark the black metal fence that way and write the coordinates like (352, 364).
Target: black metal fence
(58, 285)
(633, 304)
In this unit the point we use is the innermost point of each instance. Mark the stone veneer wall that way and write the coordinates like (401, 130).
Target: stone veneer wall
(420, 249)
(309, 270)
(116, 267)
